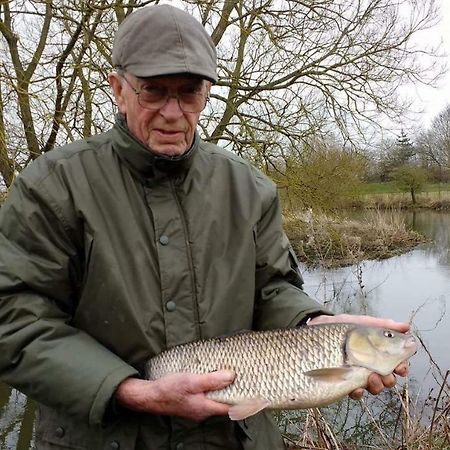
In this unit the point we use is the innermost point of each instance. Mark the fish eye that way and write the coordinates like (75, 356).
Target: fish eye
(388, 334)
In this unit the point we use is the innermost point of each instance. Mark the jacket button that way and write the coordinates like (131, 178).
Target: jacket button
(179, 446)
(164, 240)
(114, 445)
(59, 433)
(171, 306)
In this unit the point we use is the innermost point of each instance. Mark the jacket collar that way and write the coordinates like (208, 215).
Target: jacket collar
(142, 161)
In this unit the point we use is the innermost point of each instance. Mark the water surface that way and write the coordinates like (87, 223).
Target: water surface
(412, 287)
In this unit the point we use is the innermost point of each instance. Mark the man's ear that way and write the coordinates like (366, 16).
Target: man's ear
(117, 88)
(208, 87)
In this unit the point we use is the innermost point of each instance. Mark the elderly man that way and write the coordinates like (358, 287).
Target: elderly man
(144, 237)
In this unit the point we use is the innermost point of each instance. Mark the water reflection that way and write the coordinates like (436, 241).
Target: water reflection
(16, 420)
(436, 226)
(414, 286)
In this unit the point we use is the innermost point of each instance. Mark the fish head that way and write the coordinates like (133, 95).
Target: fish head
(378, 349)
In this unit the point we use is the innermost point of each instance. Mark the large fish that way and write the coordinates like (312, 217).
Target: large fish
(296, 368)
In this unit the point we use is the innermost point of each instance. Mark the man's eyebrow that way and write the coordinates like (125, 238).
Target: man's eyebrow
(197, 84)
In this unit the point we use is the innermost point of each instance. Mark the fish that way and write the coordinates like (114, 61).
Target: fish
(284, 369)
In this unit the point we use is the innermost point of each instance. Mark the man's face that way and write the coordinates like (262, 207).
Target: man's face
(168, 130)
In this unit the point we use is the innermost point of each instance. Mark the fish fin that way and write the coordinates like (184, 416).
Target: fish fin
(247, 408)
(330, 375)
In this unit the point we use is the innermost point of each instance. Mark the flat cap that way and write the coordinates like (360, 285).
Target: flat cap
(163, 40)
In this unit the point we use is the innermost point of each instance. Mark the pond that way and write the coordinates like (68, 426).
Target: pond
(414, 286)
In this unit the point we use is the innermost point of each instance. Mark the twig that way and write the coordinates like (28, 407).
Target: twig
(430, 437)
(369, 412)
(429, 355)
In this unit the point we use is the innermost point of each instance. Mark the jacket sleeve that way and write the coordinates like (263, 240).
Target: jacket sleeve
(280, 299)
(41, 353)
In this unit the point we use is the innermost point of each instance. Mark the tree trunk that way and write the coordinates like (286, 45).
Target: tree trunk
(413, 196)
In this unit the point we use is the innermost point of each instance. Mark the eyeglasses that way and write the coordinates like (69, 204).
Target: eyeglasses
(155, 97)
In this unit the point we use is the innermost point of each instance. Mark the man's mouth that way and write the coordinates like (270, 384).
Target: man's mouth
(168, 132)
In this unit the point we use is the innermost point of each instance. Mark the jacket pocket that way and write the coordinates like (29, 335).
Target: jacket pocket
(53, 434)
(56, 431)
(260, 432)
(249, 427)
(88, 247)
(296, 279)
(59, 431)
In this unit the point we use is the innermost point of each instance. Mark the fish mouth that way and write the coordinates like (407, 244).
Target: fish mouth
(410, 345)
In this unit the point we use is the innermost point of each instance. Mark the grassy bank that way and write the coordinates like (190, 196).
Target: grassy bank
(327, 241)
(386, 196)
(390, 188)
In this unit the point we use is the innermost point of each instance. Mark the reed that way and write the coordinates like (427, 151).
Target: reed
(399, 420)
(329, 241)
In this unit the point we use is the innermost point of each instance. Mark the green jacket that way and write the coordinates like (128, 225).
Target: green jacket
(109, 255)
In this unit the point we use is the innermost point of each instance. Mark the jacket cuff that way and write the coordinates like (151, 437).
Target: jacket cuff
(305, 320)
(106, 392)
(309, 313)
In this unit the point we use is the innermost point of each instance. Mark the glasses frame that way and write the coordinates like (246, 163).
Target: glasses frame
(168, 97)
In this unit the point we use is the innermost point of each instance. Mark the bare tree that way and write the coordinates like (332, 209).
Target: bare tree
(288, 70)
(434, 143)
(55, 56)
(297, 68)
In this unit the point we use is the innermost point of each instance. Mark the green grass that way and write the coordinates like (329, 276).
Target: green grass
(390, 188)
(436, 187)
(379, 188)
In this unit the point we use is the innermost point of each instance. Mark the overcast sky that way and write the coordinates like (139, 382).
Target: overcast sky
(432, 100)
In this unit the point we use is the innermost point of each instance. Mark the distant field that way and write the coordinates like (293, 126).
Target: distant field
(386, 195)
(390, 188)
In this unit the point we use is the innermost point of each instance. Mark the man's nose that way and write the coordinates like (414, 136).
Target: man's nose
(171, 108)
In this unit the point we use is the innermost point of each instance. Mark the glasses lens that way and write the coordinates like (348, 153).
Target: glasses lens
(154, 98)
(191, 102)
(151, 97)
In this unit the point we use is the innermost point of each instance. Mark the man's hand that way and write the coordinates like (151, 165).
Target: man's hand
(376, 383)
(182, 395)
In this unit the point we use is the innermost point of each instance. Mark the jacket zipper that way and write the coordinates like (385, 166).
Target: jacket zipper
(190, 260)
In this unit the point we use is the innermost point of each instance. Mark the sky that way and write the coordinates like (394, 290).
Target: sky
(434, 100)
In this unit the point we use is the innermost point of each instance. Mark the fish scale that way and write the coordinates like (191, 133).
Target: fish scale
(290, 368)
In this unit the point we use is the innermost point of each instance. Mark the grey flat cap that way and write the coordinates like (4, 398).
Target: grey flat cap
(163, 40)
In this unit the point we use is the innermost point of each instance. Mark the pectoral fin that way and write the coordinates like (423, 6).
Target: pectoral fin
(330, 375)
(247, 408)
